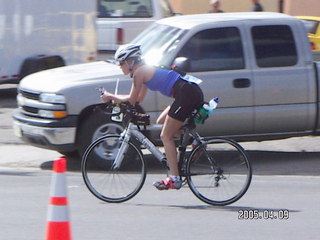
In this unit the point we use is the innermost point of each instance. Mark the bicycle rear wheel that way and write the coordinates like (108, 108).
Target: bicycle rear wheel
(112, 184)
(219, 172)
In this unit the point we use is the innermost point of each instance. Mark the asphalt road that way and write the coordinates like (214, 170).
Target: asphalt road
(286, 177)
(154, 214)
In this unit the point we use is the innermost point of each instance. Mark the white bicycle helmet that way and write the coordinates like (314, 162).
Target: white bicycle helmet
(127, 51)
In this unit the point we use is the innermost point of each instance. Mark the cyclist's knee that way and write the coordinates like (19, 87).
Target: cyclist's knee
(163, 116)
(165, 137)
(160, 120)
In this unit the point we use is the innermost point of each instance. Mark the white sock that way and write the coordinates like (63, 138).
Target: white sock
(175, 178)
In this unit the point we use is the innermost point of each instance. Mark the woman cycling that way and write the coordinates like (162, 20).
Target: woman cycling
(187, 96)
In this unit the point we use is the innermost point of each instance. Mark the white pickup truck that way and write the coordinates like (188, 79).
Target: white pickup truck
(121, 21)
(259, 65)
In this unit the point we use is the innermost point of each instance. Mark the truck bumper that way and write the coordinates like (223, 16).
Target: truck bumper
(61, 139)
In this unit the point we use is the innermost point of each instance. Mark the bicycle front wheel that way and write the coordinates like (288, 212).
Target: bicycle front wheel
(219, 172)
(113, 182)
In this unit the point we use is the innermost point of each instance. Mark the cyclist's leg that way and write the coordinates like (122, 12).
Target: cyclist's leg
(163, 116)
(168, 131)
(187, 97)
(161, 119)
(170, 127)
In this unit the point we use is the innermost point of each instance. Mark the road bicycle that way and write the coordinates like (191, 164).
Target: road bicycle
(217, 170)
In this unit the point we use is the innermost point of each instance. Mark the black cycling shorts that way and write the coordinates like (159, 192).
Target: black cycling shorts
(188, 96)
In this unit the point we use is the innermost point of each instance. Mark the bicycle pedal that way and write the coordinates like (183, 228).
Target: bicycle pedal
(184, 182)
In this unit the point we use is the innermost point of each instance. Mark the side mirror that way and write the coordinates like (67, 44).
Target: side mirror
(181, 65)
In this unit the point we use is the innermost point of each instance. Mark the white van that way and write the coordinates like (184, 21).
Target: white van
(120, 21)
(37, 35)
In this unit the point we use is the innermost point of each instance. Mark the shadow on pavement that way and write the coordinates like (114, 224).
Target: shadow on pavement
(8, 97)
(74, 163)
(232, 208)
(285, 163)
(263, 163)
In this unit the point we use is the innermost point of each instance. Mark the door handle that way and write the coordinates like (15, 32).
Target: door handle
(241, 83)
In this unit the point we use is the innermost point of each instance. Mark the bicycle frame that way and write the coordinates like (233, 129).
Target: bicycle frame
(131, 130)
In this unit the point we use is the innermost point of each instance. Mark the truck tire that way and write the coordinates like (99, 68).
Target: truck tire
(95, 125)
(40, 62)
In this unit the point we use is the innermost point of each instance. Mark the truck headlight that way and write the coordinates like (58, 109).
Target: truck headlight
(52, 98)
(52, 114)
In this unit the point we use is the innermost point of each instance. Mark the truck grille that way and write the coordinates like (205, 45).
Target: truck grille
(32, 110)
(30, 104)
(29, 95)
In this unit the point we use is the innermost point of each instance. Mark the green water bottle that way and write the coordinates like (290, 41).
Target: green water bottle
(201, 115)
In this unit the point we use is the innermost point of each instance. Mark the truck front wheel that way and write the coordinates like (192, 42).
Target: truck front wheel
(97, 124)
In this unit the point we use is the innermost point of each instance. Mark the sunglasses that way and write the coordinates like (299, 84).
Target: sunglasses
(121, 63)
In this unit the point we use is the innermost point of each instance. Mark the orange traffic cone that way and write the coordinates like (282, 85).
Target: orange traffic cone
(58, 225)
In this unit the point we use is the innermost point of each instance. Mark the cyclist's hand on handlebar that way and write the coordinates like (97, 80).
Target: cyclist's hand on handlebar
(110, 97)
(107, 96)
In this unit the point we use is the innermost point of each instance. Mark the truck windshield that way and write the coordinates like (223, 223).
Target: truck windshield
(157, 41)
(125, 9)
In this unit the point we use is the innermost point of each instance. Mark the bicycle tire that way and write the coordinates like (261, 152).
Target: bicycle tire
(114, 185)
(218, 172)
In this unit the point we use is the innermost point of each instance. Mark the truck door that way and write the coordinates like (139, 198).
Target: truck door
(284, 92)
(217, 56)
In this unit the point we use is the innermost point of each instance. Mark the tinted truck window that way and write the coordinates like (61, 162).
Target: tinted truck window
(214, 49)
(124, 8)
(274, 46)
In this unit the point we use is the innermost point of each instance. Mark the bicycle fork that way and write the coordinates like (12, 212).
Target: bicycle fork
(123, 140)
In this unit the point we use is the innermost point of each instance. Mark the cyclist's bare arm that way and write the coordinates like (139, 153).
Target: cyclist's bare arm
(138, 89)
(133, 97)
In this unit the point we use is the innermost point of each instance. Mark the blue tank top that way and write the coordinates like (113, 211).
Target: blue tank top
(163, 81)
